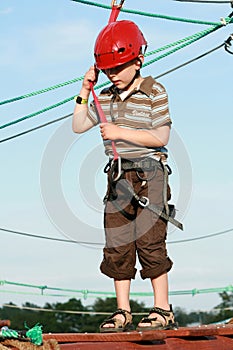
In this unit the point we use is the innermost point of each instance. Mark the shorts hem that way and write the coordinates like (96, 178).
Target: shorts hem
(155, 272)
(106, 270)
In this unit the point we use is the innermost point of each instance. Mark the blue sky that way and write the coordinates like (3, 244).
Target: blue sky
(51, 179)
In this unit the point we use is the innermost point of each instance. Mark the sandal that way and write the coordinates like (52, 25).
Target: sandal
(118, 325)
(168, 316)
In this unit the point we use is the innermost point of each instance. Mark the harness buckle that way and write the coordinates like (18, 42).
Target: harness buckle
(144, 201)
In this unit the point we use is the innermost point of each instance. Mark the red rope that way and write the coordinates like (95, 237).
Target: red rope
(113, 17)
(103, 118)
(115, 11)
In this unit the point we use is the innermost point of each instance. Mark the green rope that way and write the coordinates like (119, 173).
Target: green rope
(45, 109)
(14, 99)
(85, 293)
(185, 42)
(36, 113)
(165, 47)
(146, 14)
(196, 37)
(34, 334)
(188, 39)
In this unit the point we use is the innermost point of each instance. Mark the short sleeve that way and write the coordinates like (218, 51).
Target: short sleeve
(159, 106)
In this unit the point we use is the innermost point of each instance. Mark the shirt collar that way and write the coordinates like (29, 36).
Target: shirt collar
(145, 87)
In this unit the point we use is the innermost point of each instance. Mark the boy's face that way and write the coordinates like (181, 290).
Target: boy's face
(121, 76)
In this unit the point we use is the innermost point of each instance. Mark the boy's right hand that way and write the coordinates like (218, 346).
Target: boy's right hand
(90, 76)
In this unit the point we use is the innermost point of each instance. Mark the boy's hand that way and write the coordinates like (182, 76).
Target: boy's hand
(90, 76)
(110, 131)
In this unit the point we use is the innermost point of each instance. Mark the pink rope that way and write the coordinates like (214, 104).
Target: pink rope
(103, 119)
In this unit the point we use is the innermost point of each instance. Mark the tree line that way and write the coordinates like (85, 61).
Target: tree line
(61, 322)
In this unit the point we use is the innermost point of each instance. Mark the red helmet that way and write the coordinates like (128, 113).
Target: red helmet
(117, 43)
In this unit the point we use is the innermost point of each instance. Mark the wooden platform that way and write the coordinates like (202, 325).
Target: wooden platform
(216, 337)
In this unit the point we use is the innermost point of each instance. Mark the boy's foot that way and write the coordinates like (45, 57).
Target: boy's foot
(157, 319)
(119, 321)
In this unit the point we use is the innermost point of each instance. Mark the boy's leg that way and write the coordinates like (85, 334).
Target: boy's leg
(160, 290)
(122, 289)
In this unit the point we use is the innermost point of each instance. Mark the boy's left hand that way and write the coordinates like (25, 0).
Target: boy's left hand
(110, 131)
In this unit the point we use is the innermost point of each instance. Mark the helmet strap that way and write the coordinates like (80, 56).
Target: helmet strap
(136, 75)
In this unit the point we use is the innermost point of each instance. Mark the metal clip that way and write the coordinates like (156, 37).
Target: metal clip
(228, 44)
(144, 201)
(119, 170)
(223, 21)
(114, 3)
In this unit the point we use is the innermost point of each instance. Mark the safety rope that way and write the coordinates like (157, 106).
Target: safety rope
(92, 312)
(185, 41)
(85, 292)
(43, 110)
(103, 119)
(190, 61)
(36, 128)
(146, 14)
(20, 233)
(14, 99)
(227, 44)
(196, 37)
(188, 40)
(72, 81)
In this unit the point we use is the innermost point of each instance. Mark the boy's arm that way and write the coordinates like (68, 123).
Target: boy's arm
(81, 122)
(149, 138)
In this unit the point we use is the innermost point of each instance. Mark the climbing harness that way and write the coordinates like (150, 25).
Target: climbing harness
(148, 164)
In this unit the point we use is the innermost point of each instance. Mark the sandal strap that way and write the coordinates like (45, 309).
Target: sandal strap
(123, 312)
(161, 312)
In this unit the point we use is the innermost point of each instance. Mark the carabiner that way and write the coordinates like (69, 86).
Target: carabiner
(114, 3)
(119, 170)
(228, 44)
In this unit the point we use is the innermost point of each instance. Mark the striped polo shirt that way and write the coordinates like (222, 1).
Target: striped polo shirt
(144, 108)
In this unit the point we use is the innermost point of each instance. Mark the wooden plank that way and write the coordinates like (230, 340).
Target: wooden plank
(110, 346)
(206, 337)
(106, 337)
(211, 343)
(201, 331)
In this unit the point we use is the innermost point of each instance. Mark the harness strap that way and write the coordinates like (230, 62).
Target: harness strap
(144, 202)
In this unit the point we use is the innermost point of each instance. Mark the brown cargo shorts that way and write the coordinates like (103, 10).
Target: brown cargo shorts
(140, 233)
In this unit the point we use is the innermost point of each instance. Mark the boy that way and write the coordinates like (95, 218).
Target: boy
(139, 124)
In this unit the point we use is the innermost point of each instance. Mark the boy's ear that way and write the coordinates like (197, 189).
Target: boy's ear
(140, 60)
